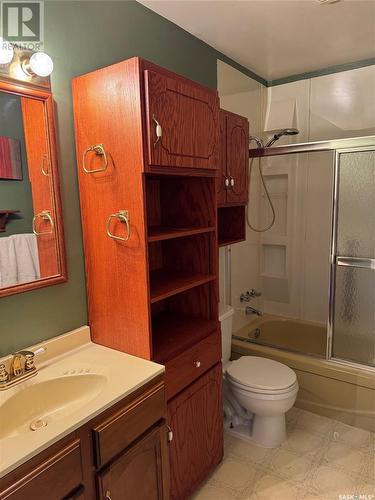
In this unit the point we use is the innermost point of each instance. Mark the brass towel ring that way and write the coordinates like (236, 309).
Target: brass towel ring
(46, 215)
(99, 150)
(122, 216)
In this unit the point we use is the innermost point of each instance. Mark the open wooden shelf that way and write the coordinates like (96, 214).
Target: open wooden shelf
(231, 222)
(174, 333)
(160, 233)
(164, 284)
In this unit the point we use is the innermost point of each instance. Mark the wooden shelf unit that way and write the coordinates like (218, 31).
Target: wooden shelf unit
(232, 180)
(154, 295)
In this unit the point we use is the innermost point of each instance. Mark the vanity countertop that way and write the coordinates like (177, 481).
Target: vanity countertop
(76, 381)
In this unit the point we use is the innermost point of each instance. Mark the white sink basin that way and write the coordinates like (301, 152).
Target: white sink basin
(34, 407)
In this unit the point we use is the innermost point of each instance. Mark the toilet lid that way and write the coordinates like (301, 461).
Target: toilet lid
(261, 373)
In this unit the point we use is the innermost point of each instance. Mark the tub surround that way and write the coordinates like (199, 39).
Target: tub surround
(118, 375)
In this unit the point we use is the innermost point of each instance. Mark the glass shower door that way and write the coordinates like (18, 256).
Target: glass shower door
(353, 297)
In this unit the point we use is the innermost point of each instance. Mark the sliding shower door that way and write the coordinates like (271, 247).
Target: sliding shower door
(353, 258)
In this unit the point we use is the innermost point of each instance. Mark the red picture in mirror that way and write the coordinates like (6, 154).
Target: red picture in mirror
(10, 159)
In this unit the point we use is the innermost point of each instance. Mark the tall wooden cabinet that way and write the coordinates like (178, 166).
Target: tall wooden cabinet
(232, 181)
(147, 148)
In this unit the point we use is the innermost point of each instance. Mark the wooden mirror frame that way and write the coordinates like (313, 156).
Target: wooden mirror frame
(32, 91)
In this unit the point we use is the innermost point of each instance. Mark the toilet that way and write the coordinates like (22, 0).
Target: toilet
(257, 392)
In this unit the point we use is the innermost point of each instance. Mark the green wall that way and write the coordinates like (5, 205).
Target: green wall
(15, 194)
(81, 36)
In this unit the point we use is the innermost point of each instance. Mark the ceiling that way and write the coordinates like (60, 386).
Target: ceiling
(278, 38)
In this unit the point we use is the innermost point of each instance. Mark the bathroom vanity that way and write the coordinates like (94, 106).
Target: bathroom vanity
(111, 440)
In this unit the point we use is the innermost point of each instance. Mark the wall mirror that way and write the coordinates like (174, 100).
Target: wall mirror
(31, 233)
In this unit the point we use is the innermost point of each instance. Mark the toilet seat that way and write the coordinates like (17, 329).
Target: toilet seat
(272, 394)
(262, 376)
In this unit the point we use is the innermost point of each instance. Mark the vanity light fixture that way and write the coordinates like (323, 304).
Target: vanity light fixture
(6, 51)
(39, 64)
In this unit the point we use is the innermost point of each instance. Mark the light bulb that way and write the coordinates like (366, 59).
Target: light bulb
(6, 51)
(41, 64)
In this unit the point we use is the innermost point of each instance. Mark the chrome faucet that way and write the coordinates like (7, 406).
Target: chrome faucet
(250, 294)
(252, 310)
(21, 367)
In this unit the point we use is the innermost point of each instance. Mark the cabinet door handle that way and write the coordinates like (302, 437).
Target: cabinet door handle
(108, 495)
(122, 216)
(158, 131)
(226, 182)
(197, 364)
(100, 151)
(231, 181)
(169, 434)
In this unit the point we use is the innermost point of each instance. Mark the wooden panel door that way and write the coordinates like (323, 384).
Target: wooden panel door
(237, 158)
(187, 115)
(222, 172)
(107, 113)
(40, 174)
(140, 473)
(196, 419)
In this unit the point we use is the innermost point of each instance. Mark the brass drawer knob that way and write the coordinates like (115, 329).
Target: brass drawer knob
(197, 364)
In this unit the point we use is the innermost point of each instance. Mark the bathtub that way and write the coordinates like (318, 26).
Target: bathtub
(294, 335)
(329, 388)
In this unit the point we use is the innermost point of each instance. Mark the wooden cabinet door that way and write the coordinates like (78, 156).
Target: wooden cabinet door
(222, 172)
(141, 472)
(187, 115)
(237, 158)
(196, 419)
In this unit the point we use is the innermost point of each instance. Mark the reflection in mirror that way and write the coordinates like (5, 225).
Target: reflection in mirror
(30, 232)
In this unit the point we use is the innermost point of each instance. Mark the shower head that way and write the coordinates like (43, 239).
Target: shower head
(285, 131)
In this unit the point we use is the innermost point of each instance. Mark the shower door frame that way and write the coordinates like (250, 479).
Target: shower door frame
(365, 262)
(338, 146)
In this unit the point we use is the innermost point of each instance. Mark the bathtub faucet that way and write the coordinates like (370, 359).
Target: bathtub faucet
(250, 294)
(252, 310)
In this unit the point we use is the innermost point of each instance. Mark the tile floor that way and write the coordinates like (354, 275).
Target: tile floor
(322, 459)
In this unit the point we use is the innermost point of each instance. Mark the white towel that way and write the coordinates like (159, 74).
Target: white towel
(8, 263)
(19, 260)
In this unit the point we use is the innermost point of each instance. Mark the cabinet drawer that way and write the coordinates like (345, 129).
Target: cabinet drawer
(192, 363)
(117, 432)
(59, 475)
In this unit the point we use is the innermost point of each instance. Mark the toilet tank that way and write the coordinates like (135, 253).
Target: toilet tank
(226, 319)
